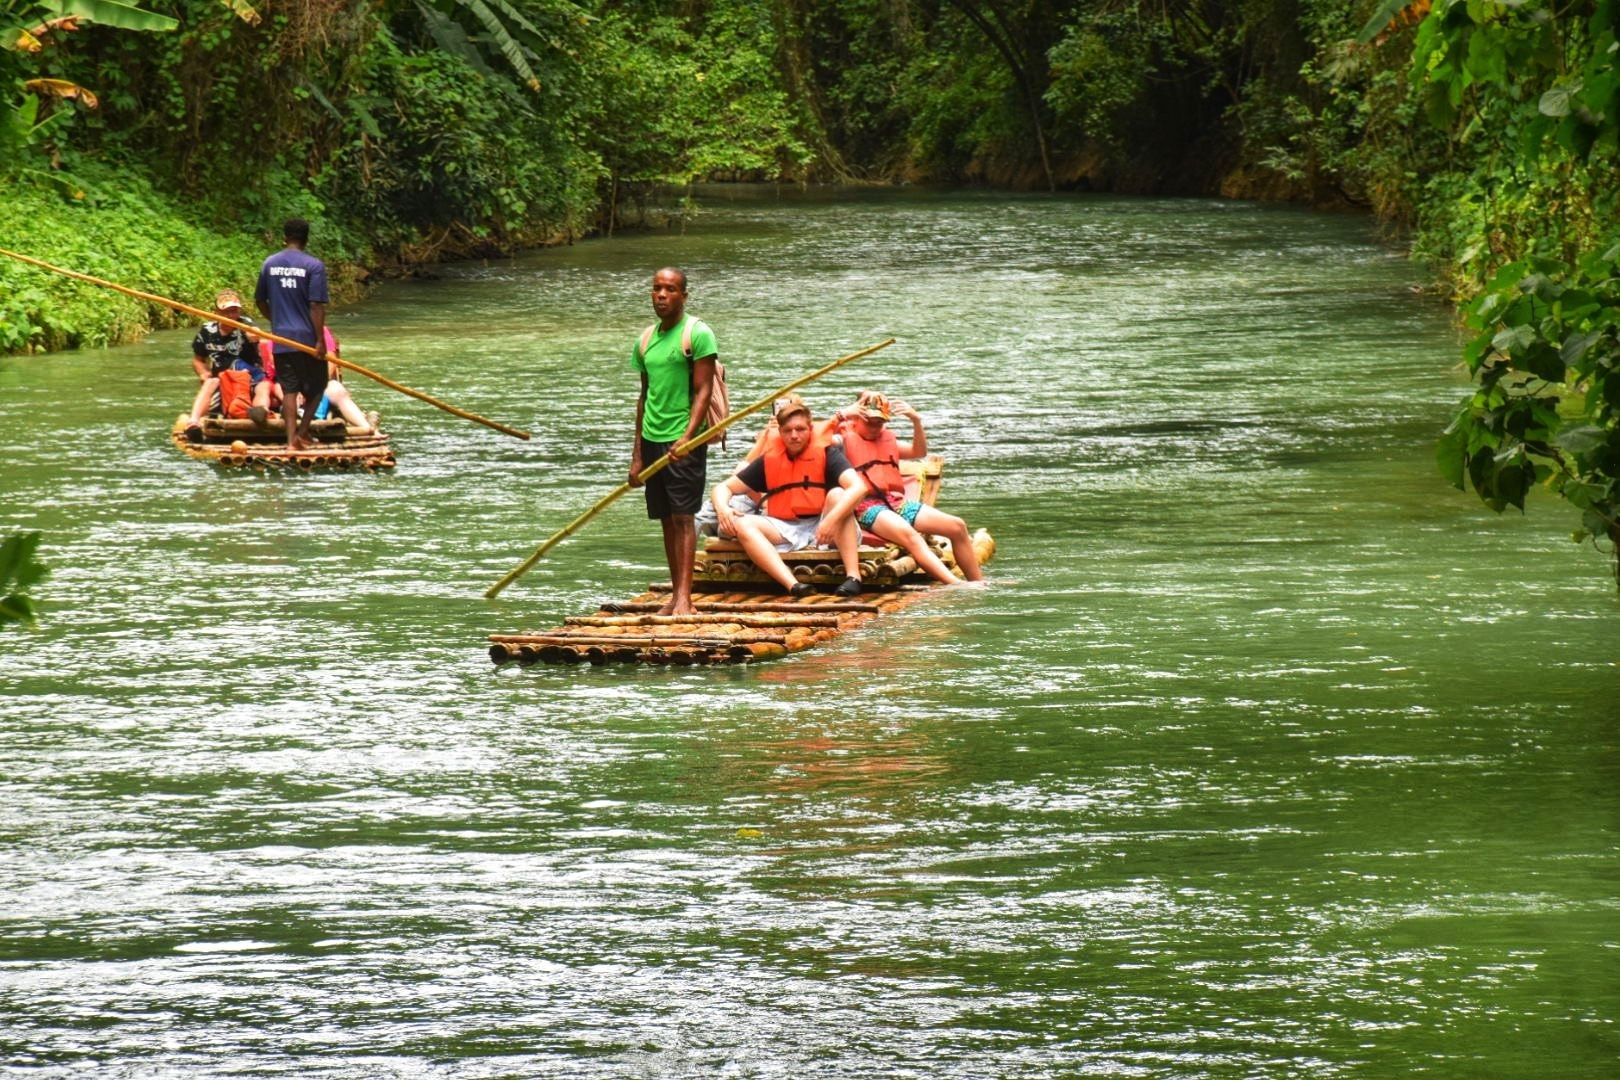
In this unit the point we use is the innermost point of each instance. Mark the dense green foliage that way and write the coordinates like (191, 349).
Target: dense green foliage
(1531, 97)
(410, 130)
(120, 229)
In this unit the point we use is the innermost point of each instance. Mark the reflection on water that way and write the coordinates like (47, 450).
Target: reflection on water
(1265, 755)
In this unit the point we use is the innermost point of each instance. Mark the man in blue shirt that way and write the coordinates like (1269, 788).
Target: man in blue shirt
(292, 295)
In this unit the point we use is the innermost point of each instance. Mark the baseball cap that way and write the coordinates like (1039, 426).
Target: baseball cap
(227, 298)
(875, 407)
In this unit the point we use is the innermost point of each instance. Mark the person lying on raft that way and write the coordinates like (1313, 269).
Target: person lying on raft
(791, 481)
(874, 452)
(336, 397)
(216, 349)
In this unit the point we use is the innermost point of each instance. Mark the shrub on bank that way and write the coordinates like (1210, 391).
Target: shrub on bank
(112, 226)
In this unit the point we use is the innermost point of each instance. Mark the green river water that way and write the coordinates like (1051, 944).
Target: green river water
(1266, 753)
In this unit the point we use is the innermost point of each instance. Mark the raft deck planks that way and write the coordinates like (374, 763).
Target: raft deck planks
(743, 615)
(737, 622)
(338, 446)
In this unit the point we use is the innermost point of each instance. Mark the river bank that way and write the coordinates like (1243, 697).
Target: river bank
(121, 228)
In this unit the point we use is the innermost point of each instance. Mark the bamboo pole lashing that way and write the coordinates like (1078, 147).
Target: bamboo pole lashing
(260, 332)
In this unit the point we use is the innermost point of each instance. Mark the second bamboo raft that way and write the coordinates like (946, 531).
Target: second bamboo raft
(245, 444)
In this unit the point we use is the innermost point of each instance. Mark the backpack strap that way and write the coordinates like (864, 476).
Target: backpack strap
(686, 338)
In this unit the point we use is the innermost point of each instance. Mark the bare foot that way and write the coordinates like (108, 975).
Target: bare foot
(299, 443)
(672, 608)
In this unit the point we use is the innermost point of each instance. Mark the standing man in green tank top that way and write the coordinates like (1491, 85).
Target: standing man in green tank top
(675, 387)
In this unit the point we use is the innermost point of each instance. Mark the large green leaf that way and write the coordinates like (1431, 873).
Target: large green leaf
(504, 41)
(1556, 102)
(450, 37)
(1582, 439)
(1575, 347)
(1450, 455)
(1382, 17)
(1513, 340)
(116, 13)
(16, 608)
(18, 566)
(18, 570)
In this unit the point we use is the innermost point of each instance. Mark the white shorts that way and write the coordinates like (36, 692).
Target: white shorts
(796, 533)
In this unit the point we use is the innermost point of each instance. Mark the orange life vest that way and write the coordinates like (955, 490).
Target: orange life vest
(235, 393)
(877, 460)
(796, 487)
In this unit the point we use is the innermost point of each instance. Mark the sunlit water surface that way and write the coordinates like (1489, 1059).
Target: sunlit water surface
(1266, 754)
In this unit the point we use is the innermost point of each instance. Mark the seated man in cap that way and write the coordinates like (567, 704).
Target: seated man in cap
(792, 480)
(874, 452)
(218, 348)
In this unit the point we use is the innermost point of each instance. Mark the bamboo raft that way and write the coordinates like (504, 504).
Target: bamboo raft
(743, 616)
(245, 444)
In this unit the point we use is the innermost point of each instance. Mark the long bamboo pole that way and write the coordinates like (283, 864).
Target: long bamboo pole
(261, 332)
(651, 470)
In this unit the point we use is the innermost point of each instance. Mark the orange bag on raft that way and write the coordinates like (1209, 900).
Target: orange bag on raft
(235, 393)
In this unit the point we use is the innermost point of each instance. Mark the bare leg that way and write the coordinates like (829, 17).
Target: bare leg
(759, 538)
(205, 397)
(339, 396)
(893, 528)
(261, 402)
(849, 547)
(310, 403)
(289, 416)
(680, 547)
(954, 529)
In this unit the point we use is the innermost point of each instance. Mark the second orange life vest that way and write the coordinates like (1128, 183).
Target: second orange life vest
(877, 460)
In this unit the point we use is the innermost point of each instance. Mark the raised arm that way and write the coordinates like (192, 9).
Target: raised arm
(918, 446)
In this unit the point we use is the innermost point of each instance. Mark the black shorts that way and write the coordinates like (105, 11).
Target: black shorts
(677, 488)
(300, 373)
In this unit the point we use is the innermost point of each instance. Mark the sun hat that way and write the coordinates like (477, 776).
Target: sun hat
(874, 407)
